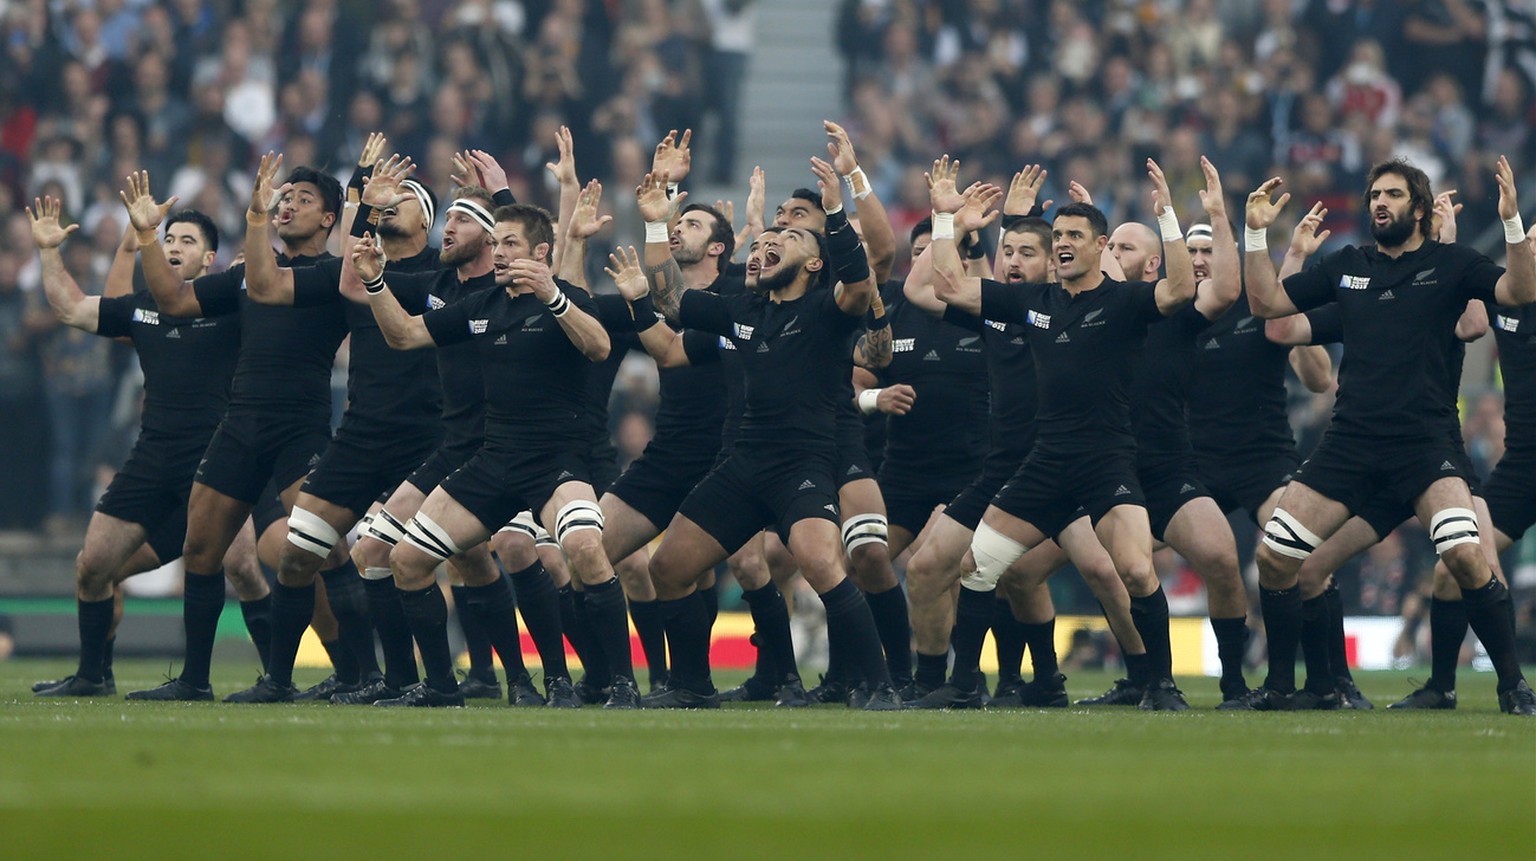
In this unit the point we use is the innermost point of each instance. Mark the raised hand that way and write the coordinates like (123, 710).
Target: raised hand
(757, 196)
(564, 168)
(978, 211)
(1161, 199)
(1211, 197)
(535, 274)
(368, 258)
(651, 197)
(1443, 219)
(1079, 193)
(827, 180)
(1509, 205)
(1260, 213)
(44, 215)
(585, 222)
(673, 157)
(491, 174)
(840, 148)
(264, 197)
(143, 212)
(627, 274)
(1024, 190)
(465, 174)
(942, 191)
(727, 208)
(382, 190)
(1305, 239)
(373, 150)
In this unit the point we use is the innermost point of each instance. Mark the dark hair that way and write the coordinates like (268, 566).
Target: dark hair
(810, 194)
(537, 224)
(202, 222)
(1419, 193)
(1035, 225)
(330, 188)
(480, 195)
(1095, 216)
(722, 232)
(822, 277)
(921, 228)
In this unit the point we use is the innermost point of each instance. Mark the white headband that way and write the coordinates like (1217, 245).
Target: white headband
(1199, 231)
(474, 210)
(422, 197)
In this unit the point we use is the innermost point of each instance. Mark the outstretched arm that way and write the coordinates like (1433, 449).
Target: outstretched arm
(874, 222)
(564, 171)
(855, 282)
(1517, 286)
(662, 342)
(1217, 293)
(582, 224)
(173, 295)
(873, 349)
(661, 270)
(402, 330)
(265, 281)
(1266, 297)
(1178, 289)
(70, 304)
(120, 275)
(950, 283)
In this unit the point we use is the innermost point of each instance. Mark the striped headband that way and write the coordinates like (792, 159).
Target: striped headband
(424, 197)
(1199, 231)
(475, 211)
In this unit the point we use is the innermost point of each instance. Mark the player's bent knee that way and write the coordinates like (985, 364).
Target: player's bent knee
(578, 515)
(310, 533)
(1454, 527)
(425, 535)
(992, 552)
(1285, 536)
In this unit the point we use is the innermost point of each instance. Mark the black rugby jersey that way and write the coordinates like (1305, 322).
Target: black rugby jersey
(1515, 331)
(1237, 391)
(188, 364)
(1160, 385)
(1011, 387)
(945, 432)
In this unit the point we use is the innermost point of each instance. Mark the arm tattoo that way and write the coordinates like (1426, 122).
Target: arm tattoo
(874, 348)
(666, 281)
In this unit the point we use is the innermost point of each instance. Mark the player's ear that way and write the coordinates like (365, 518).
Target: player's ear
(541, 252)
(328, 220)
(815, 264)
(714, 249)
(1102, 242)
(208, 257)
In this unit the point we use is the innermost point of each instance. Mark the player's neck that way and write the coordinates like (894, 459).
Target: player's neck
(309, 246)
(1083, 283)
(402, 247)
(1412, 243)
(790, 292)
(475, 268)
(698, 276)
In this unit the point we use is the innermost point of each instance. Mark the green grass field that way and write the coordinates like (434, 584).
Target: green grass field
(110, 779)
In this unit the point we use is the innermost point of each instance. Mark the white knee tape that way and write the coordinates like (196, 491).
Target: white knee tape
(384, 527)
(425, 535)
(993, 552)
(309, 533)
(1452, 526)
(865, 529)
(376, 573)
(525, 524)
(1285, 535)
(577, 514)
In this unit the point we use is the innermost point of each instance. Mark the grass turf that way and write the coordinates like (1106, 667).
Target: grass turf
(129, 780)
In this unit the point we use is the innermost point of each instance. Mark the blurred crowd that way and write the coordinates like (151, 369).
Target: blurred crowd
(195, 90)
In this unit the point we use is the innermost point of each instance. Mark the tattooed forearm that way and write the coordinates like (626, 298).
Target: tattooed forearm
(873, 349)
(666, 281)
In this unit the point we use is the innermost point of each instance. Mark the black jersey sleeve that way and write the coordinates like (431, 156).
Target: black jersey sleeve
(613, 312)
(1003, 302)
(1313, 286)
(1327, 325)
(114, 316)
(412, 289)
(702, 348)
(219, 294)
(1143, 302)
(1480, 276)
(451, 325)
(962, 318)
(319, 284)
(702, 310)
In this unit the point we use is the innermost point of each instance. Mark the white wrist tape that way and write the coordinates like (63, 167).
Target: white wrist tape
(835, 210)
(1255, 239)
(869, 401)
(1168, 225)
(672, 188)
(857, 180)
(656, 231)
(943, 225)
(1514, 230)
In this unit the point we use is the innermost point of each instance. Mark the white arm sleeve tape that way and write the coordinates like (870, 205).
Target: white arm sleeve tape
(384, 527)
(1452, 526)
(425, 535)
(993, 552)
(865, 529)
(1285, 535)
(577, 514)
(309, 533)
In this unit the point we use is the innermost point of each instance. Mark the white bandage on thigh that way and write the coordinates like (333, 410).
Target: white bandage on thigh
(309, 533)
(865, 529)
(362, 524)
(384, 527)
(374, 573)
(1285, 535)
(425, 535)
(577, 514)
(525, 524)
(1452, 526)
(993, 552)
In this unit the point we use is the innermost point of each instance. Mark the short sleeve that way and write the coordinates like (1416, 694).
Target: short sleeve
(114, 316)
(411, 289)
(702, 348)
(219, 294)
(962, 318)
(1004, 303)
(317, 285)
(1327, 324)
(613, 312)
(448, 325)
(1311, 287)
(1142, 298)
(698, 309)
(1481, 277)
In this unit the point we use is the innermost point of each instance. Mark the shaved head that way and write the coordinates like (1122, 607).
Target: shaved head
(1138, 249)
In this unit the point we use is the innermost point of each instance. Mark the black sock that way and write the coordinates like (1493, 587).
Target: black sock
(712, 602)
(202, 603)
(1447, 631)
(653, 638)
(539, 602)
(394, 634)
(610, 620)
(973, 616)
(1314, 645)
(1138, 670)
(931, 669)
(258, 623)
(1338, 645)
(292, 608)
(1282, 626)
(475, 640)
(687, 624)
(770, 621)
(342, 664)
(1008, 639)
(895, 628)
(1150, 614)
(427, 614)
(849, 612)
(1231, 645)
(95, 621)
(349, 604)
(496, 610)
(573, 619)
(1041, 640)
(106, 656)
(1493, 623)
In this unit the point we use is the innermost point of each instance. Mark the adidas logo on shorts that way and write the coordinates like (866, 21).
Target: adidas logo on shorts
(853, 469)
(1447, 467)
(830, 507)
(1187, 488)
(807, 485)
(1122, 490)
